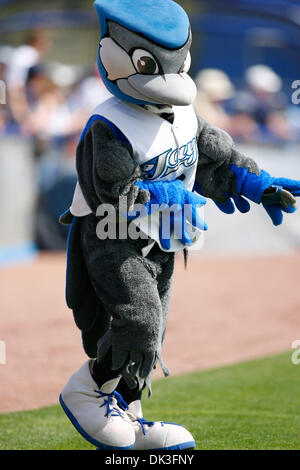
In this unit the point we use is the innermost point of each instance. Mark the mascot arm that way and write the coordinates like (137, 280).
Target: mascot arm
(226, 175)
(106, 168)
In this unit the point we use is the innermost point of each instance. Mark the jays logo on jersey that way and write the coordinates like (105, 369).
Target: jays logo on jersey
(171, 161)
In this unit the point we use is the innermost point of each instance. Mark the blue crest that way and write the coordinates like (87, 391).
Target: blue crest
(163, 22)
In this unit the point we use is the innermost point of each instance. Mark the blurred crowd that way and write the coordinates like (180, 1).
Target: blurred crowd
(258, 112)
(51, 101)
(46, 101)
(48, 104)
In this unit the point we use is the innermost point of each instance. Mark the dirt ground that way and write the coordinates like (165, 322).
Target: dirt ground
(223, 310)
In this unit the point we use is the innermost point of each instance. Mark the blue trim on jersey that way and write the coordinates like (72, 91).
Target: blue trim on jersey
(97, 117)
(84, 434)
(64, 213)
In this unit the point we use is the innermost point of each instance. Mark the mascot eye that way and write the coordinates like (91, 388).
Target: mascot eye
(187, 64)
(144, 62)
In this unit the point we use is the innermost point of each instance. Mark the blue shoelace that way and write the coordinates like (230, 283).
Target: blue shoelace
(143, 422)
(109, 407)
(123, 405)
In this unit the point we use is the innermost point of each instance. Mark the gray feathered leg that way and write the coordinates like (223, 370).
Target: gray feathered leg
(126, 283)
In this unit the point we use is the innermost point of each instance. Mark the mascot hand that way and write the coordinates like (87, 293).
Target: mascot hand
(136, 364)
(276, 194)
(254, 186)
(229, 202)
(277, 200)
(177, 207)
(181, 221)
(168, 193)
(228, 205)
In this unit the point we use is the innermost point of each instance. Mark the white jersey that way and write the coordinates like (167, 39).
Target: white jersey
(163, 150)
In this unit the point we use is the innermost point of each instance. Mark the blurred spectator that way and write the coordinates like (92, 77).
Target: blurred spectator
(49, 233)
(2, 120)
(214, 88)
(293, 117)
(61, 101)
(21, 60)
(90, 92)
(5, 53)
(49, 115)
(259, 111)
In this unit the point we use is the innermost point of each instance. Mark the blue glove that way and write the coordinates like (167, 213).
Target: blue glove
(255, 187)
(179, 219)
(184, 204)
(227, 206)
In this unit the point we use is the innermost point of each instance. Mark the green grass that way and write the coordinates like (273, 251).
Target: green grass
(253, 405)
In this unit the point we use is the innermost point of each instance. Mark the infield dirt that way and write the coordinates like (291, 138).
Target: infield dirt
(223, 311)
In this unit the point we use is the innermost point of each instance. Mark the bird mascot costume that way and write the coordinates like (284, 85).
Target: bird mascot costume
(146, 156)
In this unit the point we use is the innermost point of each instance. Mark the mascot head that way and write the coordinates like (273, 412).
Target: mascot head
(143, 54)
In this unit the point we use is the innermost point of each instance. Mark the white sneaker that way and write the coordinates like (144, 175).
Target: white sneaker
(158, 435)
(97, 414)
